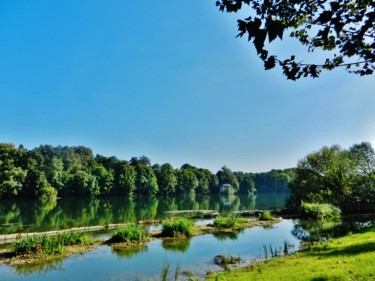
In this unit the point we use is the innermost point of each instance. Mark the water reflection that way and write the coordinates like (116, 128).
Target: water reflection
(35, 216)
(222, 236)
(176, 245)
(129, 252)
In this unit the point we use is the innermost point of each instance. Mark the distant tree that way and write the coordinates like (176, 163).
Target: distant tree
(226, 176)
(167, 180)
(246, 182)
(343, 28)
(125, 179)
(187, 181)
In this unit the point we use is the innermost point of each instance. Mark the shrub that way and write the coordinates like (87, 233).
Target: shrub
(229, 221)
(179, 227)
(129, 233)
(320, 211)
(266, 216)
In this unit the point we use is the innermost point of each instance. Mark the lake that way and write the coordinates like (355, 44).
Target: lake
(193, 256)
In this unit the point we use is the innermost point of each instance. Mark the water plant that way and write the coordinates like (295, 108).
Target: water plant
(50, 244)
(176, 228)
(129, 233)
(229, 221)
(266, 216)
(320, 211)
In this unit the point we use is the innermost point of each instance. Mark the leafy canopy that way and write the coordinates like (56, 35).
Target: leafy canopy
(343, 28)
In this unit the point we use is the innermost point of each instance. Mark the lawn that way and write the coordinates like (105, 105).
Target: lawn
(348, 258)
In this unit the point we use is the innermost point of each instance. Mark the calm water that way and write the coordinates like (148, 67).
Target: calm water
(34, 216)
(146, 263)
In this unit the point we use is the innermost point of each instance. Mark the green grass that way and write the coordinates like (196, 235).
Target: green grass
(129, 233)
(348, 258)
(266, 216)
(320, 211)
(176, 228)
(229, 221)
(50, 244)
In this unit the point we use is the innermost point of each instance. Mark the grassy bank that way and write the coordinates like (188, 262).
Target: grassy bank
(348, 258)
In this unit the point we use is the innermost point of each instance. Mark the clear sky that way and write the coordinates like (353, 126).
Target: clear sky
(166, 79)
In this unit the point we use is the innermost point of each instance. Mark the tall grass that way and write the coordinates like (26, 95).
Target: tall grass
(176, 228)
(266, 216)
(229, 221)
(50, 244)
(129, 233)
(320, 211)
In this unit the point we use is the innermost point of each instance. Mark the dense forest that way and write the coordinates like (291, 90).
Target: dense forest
(62, 171)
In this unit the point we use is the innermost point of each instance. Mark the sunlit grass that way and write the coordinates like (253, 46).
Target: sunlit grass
(50, 244)
(176, 228)
(129, 233)
(347, 258)
(229, 221)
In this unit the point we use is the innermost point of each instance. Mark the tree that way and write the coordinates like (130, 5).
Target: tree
(125, 177)
(167, 179)
(334, 175)
(226, 176)
(342, 28)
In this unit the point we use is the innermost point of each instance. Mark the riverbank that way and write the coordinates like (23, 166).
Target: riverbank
(347, 258)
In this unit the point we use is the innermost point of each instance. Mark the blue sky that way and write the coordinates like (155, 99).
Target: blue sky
(169, 80)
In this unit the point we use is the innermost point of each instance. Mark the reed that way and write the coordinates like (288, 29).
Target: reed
(229, 221)
(129, 233)
(176, 228)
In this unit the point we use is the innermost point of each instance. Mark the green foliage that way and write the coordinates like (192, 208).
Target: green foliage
(74, 171)
(229, 221)
(129, 233)
(320, 211)
(176, 228)
(343, 29)
(50, 244)
(336, 176)
(266, 216)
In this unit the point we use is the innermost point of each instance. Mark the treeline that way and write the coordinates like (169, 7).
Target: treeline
(335, 175)
(47, 172)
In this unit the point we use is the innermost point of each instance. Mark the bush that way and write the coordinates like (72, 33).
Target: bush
(229, 221)
(320, 211)
(266, 216)
(50, 244)
(129, 233)
(179, 227)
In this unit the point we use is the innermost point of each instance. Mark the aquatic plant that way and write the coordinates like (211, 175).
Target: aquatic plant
(229, 221)
(320, 211)
(175, 228)
(129, 233)
(266, 216)
(50, 244)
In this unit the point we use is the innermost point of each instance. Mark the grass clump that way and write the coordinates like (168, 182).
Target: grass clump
(320, 211)
(266, 216)
(176, 228)
(229, 221)
(50, 244)
(129, 233)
